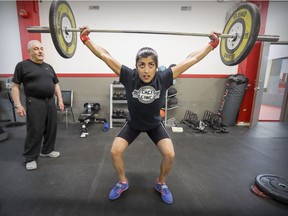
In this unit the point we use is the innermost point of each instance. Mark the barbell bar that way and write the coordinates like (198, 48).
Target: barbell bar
(237, 39)
(41, 29)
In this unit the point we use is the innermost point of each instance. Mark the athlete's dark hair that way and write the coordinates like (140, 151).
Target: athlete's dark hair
(146, 52)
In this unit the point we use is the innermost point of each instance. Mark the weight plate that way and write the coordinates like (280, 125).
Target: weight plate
(216, 122)
(61, 17)
(274, 186)
(256, 190)
(245, 24)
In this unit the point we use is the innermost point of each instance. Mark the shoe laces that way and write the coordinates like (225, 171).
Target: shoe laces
(119, 187)
(164, 189)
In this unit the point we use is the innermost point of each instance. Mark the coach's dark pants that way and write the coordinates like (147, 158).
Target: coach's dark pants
(41, 117)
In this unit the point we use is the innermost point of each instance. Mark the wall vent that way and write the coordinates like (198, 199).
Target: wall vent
(186, 8)
(94, 7)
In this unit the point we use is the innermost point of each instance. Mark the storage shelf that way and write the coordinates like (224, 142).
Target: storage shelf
(119, 101)
(117, 85)
(118, 120)
(117, 104)
(169, 122)
(173, 95)
(170, 108)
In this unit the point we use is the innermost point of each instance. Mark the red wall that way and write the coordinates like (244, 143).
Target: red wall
(249, 67)
(32, 20)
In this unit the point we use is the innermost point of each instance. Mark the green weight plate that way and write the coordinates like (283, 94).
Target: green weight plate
(61, 17)
(245, 23)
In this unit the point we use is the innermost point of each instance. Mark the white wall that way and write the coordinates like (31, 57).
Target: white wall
(142, 15)
(277, 24)
(10, 45)
(133, 15)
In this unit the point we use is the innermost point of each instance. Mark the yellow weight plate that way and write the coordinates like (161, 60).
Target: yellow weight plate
(60, 18)
(245, 23)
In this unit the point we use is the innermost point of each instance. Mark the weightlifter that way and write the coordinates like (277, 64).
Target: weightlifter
(145, 90)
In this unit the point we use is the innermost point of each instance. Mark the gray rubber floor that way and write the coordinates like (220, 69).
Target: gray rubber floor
(212, 174)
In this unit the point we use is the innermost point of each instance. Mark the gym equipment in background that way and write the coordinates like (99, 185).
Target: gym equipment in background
(15, 123)
(191, 120)
(89, 115)
(118, 104)
(232, 98)
(68, 97)
(214, 121)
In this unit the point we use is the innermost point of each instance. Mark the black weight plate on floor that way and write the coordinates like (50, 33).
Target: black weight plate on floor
(274, 186)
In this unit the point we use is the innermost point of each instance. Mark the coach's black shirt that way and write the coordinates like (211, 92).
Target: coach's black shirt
(38, 79)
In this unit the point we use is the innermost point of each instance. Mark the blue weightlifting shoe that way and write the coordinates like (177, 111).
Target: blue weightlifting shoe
(166, 194)
(118, 189)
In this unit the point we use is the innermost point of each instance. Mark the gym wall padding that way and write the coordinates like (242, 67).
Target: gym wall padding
(232, 98)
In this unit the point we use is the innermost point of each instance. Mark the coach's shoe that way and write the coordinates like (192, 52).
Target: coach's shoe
(118, 189)
(32, 165)
(53, 154)
(166, 194)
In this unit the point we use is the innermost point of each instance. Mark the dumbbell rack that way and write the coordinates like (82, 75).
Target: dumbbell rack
(171, 121)
(117, 104)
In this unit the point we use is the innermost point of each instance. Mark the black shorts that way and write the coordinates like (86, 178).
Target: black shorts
(129, 134)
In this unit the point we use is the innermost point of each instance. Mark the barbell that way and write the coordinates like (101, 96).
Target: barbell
(237, 39)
